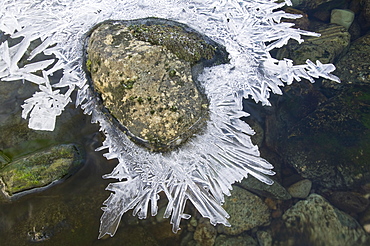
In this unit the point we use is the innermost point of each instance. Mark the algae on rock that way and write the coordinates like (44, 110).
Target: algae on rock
(39, 169)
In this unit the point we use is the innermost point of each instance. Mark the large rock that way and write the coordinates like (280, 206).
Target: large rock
(331, 145)
(315, 222)
(39, 169)
(143, 72)
(364, 13)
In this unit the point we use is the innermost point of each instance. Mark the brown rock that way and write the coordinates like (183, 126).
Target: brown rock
(205, 234)
(300, 23)
(349, 202)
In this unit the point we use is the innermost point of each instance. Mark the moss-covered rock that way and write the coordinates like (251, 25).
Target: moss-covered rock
(39, 169)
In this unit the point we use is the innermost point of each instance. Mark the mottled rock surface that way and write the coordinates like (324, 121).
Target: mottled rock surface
(354, 67)
(205, 233)
(315, 222)
(144, 76)
(39, 169)
(264, 238)
(246, 211)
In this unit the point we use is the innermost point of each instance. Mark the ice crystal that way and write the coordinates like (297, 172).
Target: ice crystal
(202, 170)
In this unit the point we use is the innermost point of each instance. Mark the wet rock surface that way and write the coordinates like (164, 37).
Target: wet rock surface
(205, 233)
(336, 127)
(314, 221)
(39, 169)
(354, 66)
(246, 211)
(144, 73)
(338, 135)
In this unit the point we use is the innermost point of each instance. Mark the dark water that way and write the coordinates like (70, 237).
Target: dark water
(67, 213)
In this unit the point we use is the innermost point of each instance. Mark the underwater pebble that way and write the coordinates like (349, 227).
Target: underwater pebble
(246, 211)
(301, 189)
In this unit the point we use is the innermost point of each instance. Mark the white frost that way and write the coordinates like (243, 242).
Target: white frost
(202, 170)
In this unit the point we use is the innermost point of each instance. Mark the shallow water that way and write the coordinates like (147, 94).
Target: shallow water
(67, 213)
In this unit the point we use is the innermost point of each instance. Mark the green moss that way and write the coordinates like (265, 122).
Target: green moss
(140, 100)
(172, 73)
(4, 159)
(173, 108)
(154, 139)
(88, 65)
(27, 147)
(39, 169)
(187, 46)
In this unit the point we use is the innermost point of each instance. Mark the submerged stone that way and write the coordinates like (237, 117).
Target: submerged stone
(39, 169)
(246, 210)
(316, 222)
(143, 72)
